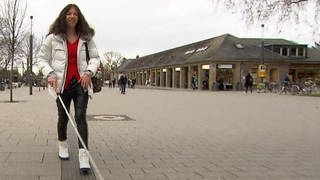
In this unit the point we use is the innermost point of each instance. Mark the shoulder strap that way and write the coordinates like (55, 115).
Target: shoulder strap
(87, 52)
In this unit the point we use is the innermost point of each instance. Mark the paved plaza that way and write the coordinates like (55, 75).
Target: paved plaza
(168, 134)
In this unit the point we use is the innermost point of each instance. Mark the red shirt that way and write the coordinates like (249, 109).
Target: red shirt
(72, 70)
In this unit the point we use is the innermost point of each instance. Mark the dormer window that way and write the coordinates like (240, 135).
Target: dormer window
(293, 51)
(202, 49)
(239, 46)
(284, 52)
(300, 52)
(189, 52)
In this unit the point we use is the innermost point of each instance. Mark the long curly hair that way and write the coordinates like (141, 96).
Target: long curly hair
(59, 26)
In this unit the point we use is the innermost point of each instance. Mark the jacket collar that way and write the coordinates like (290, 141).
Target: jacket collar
(61, 37)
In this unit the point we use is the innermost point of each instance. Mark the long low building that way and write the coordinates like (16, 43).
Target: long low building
(222, 62)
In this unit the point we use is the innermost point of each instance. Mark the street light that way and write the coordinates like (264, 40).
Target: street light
(30, 61)
(262, 67)
(262, 44)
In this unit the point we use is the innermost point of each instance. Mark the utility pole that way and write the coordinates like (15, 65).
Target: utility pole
(30, 61)
(262, 67)
(262, 44)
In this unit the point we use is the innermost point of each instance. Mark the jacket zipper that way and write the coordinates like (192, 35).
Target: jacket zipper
(78, 55)
(66, 65)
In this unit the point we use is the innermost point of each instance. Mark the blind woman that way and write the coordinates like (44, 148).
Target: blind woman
(62, 59)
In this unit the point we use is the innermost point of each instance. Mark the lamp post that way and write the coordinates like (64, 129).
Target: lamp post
(262, 44)
(262, 67)
(30, 61)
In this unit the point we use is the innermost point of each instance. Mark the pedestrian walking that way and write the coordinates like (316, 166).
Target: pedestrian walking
(133, 83)
(62, 59)
(194, 82)
(113, 82)
(122, 83)
(248, 83)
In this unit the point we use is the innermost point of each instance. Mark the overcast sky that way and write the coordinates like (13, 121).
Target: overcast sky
(142, 27)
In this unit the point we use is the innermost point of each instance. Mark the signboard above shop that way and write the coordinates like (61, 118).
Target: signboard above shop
(225, 66)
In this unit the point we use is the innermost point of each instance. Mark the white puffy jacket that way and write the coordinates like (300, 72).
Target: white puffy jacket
(54, 54)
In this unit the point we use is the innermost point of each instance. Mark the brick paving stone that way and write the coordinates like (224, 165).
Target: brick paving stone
(119, 171)
(168, 163)
(24, 138)
(29, 169)
(130, 164)
(25, 157)
(51, 157)
(113, 164)
(187, 175)
(219, 175)
(151, 176)
(50, 177)
(215, 135)
(19, 177)
(4, 157)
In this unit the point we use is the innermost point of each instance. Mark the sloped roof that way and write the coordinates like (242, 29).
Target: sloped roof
(220, 48)
(124, 65)
(313, 55)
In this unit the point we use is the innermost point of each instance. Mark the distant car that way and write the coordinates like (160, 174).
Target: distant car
(19, 84)
(14, 85)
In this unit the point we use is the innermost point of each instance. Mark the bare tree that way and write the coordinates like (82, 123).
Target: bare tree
(316, 45)
(25, 52)
(12, 31)
(112, 60)
(254, 11)
(4, 47)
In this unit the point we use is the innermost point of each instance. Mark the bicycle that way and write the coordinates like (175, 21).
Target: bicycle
(285, 88)
(273, 87)
(298, 89)
(310, 86)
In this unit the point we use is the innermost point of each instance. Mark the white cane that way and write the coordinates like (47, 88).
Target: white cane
(95, 168)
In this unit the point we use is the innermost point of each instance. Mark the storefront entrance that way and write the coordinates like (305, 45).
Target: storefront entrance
(224, 77)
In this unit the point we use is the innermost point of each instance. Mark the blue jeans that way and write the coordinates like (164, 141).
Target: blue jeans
(80, 98)
(122, 88)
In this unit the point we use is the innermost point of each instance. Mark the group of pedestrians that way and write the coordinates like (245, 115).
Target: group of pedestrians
(123, 83)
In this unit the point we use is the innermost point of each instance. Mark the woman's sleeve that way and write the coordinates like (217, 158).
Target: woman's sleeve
(94, 61)
(45, 56)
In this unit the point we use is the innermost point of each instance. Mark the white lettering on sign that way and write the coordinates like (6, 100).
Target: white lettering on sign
(225, 66)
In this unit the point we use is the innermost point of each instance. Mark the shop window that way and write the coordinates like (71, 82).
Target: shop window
(224, 79)
(254, 74)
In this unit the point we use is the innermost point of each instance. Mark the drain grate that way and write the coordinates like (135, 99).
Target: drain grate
(107, 117)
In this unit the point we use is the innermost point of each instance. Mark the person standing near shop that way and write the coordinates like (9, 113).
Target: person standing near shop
(194, 81)
(123, 83)
(248, 83)
(62, 59)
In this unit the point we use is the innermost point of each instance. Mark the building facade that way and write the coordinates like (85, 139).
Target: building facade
(222, 62)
